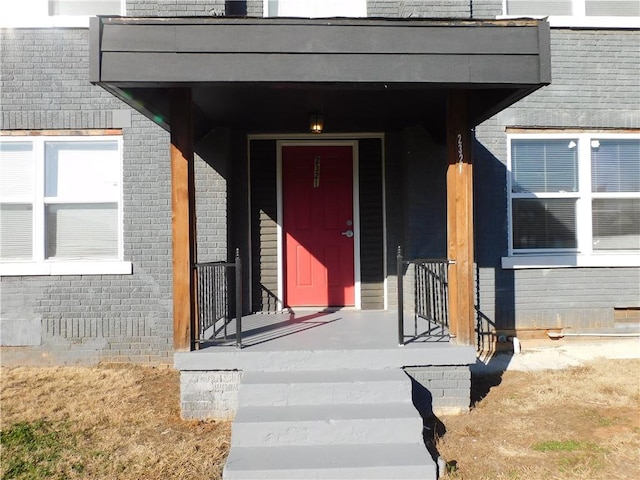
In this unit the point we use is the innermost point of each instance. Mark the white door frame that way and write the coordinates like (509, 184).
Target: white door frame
(356, 210)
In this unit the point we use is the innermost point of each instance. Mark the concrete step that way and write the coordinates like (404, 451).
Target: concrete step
(326, 424)
(408, 461)
(317, 387)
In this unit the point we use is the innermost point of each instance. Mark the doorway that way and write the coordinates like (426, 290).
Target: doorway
(319, 225)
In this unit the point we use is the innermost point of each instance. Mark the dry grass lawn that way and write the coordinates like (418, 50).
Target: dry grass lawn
(103, 423)
(123, 422)
(580, 423)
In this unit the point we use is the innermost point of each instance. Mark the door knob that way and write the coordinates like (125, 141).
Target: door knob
(348, 233)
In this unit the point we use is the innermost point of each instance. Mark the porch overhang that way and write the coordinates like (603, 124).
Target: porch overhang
(267, 75)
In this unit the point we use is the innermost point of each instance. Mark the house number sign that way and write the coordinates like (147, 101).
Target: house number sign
(460, 151)
(316, 172)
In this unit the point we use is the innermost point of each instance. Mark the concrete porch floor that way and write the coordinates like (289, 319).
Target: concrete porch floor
(319, 340)
(312, 349)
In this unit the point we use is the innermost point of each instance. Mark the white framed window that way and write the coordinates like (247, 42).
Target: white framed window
(574, 199)
(315, 8)
(578, 13)
(56, 13)
(61, 205)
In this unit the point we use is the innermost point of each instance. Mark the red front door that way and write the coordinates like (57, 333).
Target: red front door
(317, 194)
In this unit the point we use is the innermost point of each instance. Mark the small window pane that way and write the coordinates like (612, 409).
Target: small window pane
(539, 7)
(616, 224)
(544, 223)
(82, 170)
(17, 170)
(82, 231)
(16, 232)
(85, 7)
(615, 165)
(615, 8)
(544, 166)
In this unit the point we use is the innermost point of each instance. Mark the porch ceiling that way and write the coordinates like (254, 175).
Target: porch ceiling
(268, 75)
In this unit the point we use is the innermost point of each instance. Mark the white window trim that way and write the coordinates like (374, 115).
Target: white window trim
(41, 266)
(106, 267)
(39, 18)
(579, 19)
(583, 255)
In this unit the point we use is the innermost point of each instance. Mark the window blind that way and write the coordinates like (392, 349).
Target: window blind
(82, 230)
(615, 8)
(85, 170)
(544, 223)
(544, 166)
(85, 7)
(17, 170)
(615, 165)
(539, 7)
(16, 231)
(317, 8)
(616, 223)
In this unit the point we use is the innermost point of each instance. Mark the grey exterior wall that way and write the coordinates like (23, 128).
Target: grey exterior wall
(594, 86)
(101, 318)
(89, 319)
(213, 154)
(444, 389)
(209, 394)
(187, 8)
(164, 8)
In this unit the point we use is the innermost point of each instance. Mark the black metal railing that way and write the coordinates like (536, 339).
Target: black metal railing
(213, 284)
(431, 297)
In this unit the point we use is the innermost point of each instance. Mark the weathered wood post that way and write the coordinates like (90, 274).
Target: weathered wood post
(460, 218)
(183, 220)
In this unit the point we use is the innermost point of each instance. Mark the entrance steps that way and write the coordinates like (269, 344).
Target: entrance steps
(340, 424)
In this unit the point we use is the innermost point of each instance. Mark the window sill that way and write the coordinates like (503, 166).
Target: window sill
(571, 261)
(19, 269)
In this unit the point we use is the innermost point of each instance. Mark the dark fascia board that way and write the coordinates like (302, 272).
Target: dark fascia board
(499, 62)
(329, 50)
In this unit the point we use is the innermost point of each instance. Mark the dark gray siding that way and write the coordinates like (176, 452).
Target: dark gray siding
(264, 224)
(394, 188)
(371, 224)
(146, 50)
(264, 217)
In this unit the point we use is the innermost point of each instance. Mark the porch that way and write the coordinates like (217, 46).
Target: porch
(323, 378)
(365, 77)
(311, 385)
(331, 330)
(308, 340)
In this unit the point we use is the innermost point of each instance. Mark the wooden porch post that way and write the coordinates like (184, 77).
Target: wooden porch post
(183, 219)
(460, 219)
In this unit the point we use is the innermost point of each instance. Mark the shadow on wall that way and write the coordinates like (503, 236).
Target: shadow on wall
(537, 223)
(494, 309)
(432, 427)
